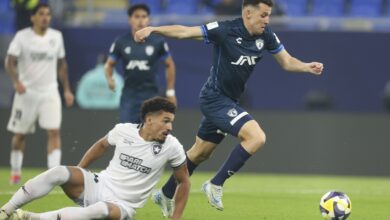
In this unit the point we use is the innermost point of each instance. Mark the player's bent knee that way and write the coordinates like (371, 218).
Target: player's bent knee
(98, 210)
(253, 142)
(115, 212)
(58, 175)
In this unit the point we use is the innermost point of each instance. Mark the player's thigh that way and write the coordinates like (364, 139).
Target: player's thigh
(225, 114)
(74, 188)
(252, 136)
(49, 110)
(24, 113)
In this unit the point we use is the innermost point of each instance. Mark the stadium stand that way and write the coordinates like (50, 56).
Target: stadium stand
(366, 8)
(294, 7)
(329, 8)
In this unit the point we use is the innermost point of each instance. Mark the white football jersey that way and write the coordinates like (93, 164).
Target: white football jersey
(137, 164)
(37, 57)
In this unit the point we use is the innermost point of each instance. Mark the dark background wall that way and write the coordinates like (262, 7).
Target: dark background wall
(355, 74)
(307, 143)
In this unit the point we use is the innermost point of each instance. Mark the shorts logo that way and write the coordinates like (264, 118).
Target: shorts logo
(149, 50)
(259, 43)
(127, 50)
(156, 148)
(232, 113)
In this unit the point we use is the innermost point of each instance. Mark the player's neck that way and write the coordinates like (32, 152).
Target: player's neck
(145, 134)
(39, 31)
(246, 25)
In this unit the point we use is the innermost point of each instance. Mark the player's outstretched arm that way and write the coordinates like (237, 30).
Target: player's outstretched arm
(183, 189)
(172, 31)
(96, 151)
(63, 76)
(292, 64)
(11, 68)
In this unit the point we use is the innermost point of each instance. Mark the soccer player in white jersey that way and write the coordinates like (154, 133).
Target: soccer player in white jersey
(141, 153)
(34, 58)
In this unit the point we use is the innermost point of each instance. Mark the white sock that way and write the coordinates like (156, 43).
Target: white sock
(54, 158)
(37, 187)
(16, 162)
(98, 210)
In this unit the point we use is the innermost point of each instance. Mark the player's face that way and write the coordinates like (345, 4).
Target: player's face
(161, 125)
(139, 19)
(258, 18)
(42, 18)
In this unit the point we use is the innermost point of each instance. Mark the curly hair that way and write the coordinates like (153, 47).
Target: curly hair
(156, 104)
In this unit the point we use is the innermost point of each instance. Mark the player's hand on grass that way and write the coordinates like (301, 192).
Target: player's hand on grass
(316, 68)
(142, 34)
(69, 98)
(19, 87)
(111, 84)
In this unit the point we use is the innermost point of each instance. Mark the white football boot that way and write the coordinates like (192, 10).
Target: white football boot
(214, 194)
(166, 204)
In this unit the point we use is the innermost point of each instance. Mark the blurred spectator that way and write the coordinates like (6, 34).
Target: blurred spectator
(93, 92)
(23, 9)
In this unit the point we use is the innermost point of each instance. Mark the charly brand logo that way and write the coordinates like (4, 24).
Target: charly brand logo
(239, 40)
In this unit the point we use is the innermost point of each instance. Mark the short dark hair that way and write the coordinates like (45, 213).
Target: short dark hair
(135, 7)
(39, 6)
(157, 104)
(270, 3)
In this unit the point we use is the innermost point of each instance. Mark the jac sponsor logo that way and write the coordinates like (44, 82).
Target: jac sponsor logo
(140, 64)
(251, 60)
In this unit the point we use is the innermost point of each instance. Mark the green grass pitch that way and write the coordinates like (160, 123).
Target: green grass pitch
(251, 196)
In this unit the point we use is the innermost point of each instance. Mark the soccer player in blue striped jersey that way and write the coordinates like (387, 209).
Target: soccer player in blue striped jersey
(238, 46)
(140, 63)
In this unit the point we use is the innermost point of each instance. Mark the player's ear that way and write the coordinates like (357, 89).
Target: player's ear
(246, 12)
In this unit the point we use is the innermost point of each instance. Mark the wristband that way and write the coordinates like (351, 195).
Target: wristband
(170, 93)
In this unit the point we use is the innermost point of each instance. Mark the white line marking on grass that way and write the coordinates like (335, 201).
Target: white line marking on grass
(55, 192)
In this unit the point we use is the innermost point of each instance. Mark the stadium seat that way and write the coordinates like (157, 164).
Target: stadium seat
(365, 8)
(154, 5)
(294, 7)
(181, 7)
(328, 8)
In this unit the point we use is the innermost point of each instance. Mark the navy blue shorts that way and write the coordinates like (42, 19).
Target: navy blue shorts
(130, 106)
(221, 116)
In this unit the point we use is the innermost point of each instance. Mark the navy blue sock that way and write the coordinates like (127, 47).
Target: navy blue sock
(235, 161)
(169, 188)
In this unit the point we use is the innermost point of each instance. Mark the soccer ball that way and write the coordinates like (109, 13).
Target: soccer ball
(335, 206)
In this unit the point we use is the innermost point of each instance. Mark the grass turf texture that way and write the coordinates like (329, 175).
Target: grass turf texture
(250, 196)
